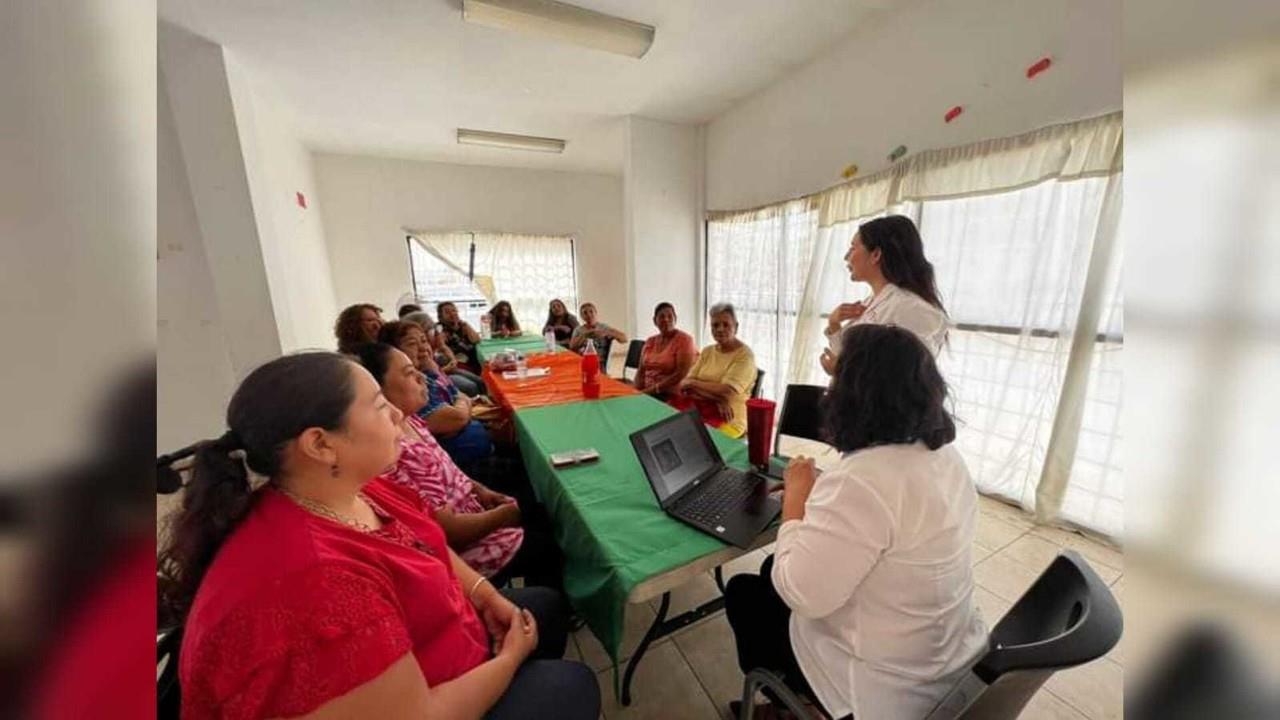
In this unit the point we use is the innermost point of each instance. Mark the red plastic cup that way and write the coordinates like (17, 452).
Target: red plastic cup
(760, 430)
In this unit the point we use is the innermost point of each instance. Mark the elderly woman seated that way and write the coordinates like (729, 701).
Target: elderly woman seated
(448, 413)
(468, 382)
(720, 380)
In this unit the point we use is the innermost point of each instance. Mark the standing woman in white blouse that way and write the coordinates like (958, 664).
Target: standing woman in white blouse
(888, 255)
(866, 605)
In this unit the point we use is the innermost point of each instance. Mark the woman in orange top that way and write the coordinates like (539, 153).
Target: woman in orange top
(666, 357)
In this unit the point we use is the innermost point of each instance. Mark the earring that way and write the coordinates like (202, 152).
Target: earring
(333, 470)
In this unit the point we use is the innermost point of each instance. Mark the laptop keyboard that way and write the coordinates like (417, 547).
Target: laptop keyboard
(718, 497)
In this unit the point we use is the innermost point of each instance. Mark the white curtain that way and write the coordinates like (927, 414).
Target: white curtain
(1013, 268)
(757, 262)
(1021, 232)
(525, 270)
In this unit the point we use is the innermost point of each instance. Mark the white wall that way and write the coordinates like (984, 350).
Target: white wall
(194, 377)
(890, 82)
(242, 272)
(194, 76)
(663, 217)
(368, 202)
(278, 166)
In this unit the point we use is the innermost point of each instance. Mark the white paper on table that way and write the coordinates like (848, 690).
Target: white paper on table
(530, 373)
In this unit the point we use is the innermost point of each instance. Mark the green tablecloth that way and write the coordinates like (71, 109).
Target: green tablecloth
(525, 343)
(606, 517)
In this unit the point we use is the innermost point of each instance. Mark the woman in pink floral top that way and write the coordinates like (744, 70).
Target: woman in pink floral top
(489, 530)
(427, 469)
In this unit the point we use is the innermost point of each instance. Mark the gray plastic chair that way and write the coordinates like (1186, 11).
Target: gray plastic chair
(1067, 618)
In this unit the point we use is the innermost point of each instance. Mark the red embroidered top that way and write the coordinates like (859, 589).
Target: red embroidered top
(298, 609)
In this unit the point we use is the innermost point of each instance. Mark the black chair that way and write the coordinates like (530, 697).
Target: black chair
(1067, 618)
(1207, 671)
(634, 351)
(168, 694)
(603, 349)
(170, 469)
(173, 471)
(755, 389)
(800, 416)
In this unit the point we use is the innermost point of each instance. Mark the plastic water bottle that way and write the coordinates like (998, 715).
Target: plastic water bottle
(590, 371)
(522, 365)
(484, 327)
(550, 338)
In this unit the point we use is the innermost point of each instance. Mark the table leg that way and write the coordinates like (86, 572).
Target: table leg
(654, 631)
(663, 627)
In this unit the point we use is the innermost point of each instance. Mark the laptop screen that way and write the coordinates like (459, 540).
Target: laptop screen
(674, 453)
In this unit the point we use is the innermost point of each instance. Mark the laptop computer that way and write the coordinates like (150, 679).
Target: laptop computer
(693, 484)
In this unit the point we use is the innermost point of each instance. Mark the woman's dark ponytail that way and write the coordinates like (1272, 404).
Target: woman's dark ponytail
(273, 405)
(216, 498)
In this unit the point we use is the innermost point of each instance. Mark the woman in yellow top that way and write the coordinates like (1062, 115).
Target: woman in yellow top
(721, 379)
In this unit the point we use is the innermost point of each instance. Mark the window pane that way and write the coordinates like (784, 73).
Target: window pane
(436, 281)
(525, 270)
(760, 266)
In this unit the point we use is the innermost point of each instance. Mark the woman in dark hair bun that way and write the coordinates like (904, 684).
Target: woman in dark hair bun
(866, 606)
(326, 591)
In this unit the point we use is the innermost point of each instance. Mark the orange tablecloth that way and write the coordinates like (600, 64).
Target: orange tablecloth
(563, 385)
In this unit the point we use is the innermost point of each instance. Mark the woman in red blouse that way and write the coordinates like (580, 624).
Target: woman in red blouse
(324, 594)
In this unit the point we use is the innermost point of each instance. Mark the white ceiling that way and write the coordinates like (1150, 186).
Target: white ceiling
(397, 77)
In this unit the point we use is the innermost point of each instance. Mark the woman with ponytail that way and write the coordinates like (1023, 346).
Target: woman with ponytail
(319, 592)
(887, 254)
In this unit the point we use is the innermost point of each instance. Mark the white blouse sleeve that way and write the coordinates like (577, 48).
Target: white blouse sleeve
(926, 321)
(835, 339)
(846, 525)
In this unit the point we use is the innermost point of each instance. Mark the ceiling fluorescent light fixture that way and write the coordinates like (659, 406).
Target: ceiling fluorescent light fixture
(566, 23)
(510, 142)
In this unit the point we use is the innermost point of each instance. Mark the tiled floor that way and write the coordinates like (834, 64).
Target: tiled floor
(694, 673)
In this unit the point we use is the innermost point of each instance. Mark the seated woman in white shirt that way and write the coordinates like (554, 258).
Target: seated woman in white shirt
(887, 254)
(866, 605)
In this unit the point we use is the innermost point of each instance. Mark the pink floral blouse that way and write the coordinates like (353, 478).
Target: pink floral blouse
(425, 468)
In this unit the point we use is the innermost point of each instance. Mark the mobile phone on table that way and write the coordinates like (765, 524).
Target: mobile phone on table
(574, 457)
